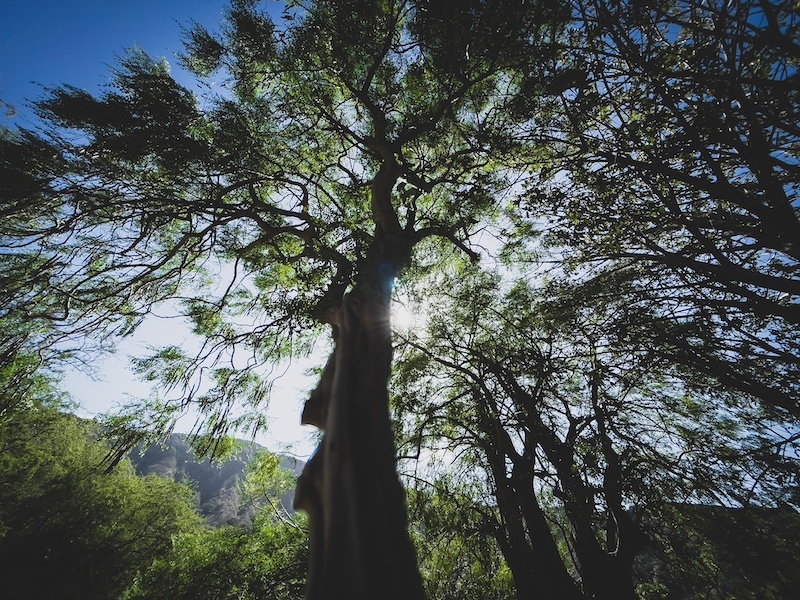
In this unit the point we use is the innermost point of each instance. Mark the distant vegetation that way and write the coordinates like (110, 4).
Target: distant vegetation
(69, 529)
(221, 494)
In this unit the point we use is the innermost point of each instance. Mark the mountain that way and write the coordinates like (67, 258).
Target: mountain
(218, 496)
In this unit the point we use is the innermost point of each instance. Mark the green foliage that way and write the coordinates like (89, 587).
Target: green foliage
(69, 529)
(231, 563)
(255, 206)
(267, 479)
(451, 528)
(727, 553)
(148, 117)
(649, 151)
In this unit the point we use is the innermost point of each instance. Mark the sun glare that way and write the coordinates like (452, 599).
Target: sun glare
(404, 319)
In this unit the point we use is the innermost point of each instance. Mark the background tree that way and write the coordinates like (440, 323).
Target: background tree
(67, 529)
(578, 437)
(267, 560)
(673, 179)
(230, 563)
(711, 551)
(452, 527)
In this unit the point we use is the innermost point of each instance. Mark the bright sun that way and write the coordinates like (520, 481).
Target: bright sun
(404, 319)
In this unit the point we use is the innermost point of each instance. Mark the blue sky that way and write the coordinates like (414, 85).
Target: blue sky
(48, 42)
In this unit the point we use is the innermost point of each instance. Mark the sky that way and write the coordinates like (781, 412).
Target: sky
(48, 43)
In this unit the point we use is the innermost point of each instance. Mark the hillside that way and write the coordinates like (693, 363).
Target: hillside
(217, 485)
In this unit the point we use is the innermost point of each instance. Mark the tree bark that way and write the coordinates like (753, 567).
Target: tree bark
(528, 545)
(360, 546)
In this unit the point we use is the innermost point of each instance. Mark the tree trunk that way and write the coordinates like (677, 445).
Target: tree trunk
(528, 545)
(529, 548)
(605, 576)
(360, 547)
(554, 578)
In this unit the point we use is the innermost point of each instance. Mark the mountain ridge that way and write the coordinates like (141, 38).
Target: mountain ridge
(217, 485)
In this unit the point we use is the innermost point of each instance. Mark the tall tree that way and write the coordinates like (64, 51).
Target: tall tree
(342, 140)
(577, 435)
(676, 171)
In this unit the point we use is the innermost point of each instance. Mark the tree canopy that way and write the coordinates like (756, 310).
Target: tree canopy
(349, 123)
(676, 178)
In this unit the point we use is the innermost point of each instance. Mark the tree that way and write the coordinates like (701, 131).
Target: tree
(268, 560)
(451, 528)
(72, 528)
(67, 529)
(344, 140)
(738, 553)
(581, 441)
(673, 179)
(229, 563)
(361, 141)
